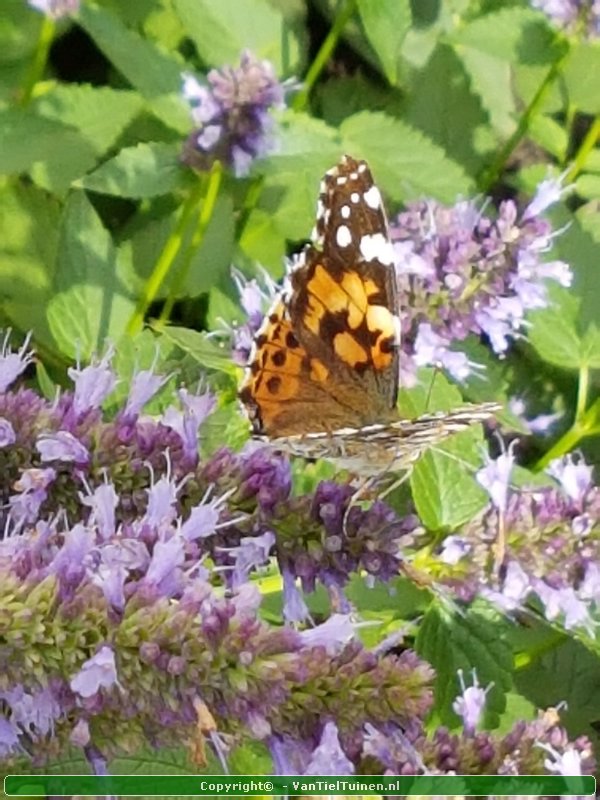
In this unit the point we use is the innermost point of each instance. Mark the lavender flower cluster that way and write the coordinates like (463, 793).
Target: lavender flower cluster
(233, 114)
(117, 633)
(551, 544)
(461, 272)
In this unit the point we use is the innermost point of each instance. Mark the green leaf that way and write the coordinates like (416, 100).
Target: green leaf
(27, 139)
(588, 185)
(152, 71)
(491, 79)
(473, 639)
(556, 335)
(147, 170)
(515, 34)
(547, 132)
(47, 386)
(204, 351)
(149, 234)
(262, 242)
(580, 75)
(443, 485)
(492, 46)
(442, 105)
(307, 148)
(386, 23)
(405, 163)
(567, 673)
(88, 306)
(222, 29)
(29, 223)
(100, 114)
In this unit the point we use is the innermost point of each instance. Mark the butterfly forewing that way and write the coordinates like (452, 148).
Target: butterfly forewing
(343, 296)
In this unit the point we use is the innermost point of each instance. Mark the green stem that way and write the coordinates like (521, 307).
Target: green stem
(39, 60)
(249, 205)
(492, 173)
(582, 391)
(588, 144)
(585, 424)
(565, 444)
(165, 260)
(344, 13)
(206, 212)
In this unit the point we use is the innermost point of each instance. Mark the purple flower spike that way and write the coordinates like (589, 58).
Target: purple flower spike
(98, 672)
(62, 446)
(232, 114)
(13, 364)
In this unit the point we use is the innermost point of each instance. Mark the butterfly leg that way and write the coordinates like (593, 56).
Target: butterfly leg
(360, 492)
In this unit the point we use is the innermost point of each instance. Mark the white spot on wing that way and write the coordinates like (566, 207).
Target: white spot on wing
(354, 176)
(376, 246)
(345, 212)
(343, 236)
(341, 180)
(355, 197)
(362, 167)
(372, 197)
(320, 208)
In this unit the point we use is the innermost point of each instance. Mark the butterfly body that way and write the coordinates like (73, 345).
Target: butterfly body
(322, 378)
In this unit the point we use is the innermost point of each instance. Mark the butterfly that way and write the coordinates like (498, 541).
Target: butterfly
(323, 374)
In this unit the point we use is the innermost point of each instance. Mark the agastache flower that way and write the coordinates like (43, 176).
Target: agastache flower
(461, 272)
(551, 545)
(232, 114)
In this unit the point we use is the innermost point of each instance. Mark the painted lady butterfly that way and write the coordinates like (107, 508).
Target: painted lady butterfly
(322, 379)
